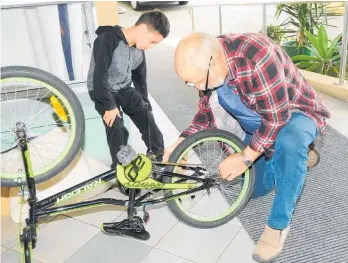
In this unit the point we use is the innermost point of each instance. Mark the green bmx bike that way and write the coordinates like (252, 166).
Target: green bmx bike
(42, 130)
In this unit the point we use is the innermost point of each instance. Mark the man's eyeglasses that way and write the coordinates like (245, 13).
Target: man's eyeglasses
(206, 82)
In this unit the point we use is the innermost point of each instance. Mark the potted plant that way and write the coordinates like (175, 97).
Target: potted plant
(275, 33)
(302, 17)
(325, 57)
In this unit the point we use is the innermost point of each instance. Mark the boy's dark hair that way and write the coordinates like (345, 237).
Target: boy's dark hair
(156, 20)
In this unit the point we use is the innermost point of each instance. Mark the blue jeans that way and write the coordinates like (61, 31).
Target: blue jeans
(286, 169)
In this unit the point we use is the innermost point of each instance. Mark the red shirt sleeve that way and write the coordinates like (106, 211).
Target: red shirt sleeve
(203, 119)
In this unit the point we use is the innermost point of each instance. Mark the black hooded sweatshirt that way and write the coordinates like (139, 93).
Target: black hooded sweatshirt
(114, 66)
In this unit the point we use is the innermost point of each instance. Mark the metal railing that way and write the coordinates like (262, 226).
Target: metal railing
(90, 25)
(343, 61)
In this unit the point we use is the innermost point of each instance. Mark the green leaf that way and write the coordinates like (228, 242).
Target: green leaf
(336, 57)
(313, 50)
(321, 67)
(305, 58)
(313, 67)
(323, 42)
(333, 46)
(304, 64)
(312, 39)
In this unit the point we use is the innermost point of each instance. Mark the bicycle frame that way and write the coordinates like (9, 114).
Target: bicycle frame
(39, 209)
(42, 207)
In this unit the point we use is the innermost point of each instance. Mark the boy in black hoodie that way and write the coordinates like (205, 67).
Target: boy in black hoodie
(118, 59)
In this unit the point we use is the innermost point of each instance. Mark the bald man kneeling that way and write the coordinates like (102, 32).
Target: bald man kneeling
(276, 112)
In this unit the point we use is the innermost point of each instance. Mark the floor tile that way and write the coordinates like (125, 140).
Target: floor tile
(62, 237)
(161, 222)
(10, 230)
(158, 256)
(3, 249)
(110, 249)
(97, 148)
(101, 214)
(333, 103)
(236, 222)
(340, 125)
(198, 245)
(240, 249)
(12, 256)
(87, 105)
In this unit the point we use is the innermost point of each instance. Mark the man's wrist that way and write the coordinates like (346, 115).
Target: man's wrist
(251, 154)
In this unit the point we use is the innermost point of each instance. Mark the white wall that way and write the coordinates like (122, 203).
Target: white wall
(244, 18)
(31, 37)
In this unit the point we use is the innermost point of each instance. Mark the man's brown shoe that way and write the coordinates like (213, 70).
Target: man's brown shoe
(270, 245)
(313, 158)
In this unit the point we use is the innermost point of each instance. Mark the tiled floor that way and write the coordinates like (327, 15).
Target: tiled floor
(76, 237)
(339, 111)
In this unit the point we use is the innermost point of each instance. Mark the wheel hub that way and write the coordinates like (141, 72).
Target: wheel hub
(20, 130)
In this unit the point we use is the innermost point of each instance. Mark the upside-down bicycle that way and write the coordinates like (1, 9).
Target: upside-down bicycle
(39, 110)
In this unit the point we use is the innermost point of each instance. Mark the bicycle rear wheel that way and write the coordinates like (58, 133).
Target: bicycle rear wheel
(220, 204)
(53, 120)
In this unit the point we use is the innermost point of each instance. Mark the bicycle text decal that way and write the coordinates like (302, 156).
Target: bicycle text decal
(79, 191)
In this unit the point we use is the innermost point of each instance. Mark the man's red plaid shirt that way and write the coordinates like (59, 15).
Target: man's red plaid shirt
(269, 83)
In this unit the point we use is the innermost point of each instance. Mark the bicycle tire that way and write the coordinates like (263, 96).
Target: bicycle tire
(70, 97)
(179, 150)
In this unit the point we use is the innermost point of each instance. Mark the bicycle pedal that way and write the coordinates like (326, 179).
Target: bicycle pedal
(128, 227)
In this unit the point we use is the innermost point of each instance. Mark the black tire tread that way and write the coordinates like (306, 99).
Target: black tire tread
(174, 158)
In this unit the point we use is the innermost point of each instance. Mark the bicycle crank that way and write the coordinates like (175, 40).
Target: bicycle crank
(132, 227)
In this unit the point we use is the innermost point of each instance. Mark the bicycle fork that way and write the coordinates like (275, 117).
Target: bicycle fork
(29, 232)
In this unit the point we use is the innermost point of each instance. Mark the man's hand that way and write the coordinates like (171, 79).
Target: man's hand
(110, 116)
(233, 166)
(168, 151)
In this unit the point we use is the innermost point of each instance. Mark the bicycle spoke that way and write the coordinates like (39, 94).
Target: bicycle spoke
(11, 112)
(48, 125)
(38, 91)
(41, 109)
(9, 159)
(16, 103)
(2, 123)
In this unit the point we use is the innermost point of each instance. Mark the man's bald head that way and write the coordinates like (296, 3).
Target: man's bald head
(193, 54)
(192, 61)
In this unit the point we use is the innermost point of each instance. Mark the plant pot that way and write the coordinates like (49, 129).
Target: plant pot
(291, 49)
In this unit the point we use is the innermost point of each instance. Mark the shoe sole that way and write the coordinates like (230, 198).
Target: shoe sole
(260, 260)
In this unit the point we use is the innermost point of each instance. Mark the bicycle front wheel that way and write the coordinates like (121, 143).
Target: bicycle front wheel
(51, 116)
(219, 204)
(27, 252)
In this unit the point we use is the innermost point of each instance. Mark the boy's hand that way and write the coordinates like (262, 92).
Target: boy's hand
(110, 116)
(168, 151)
